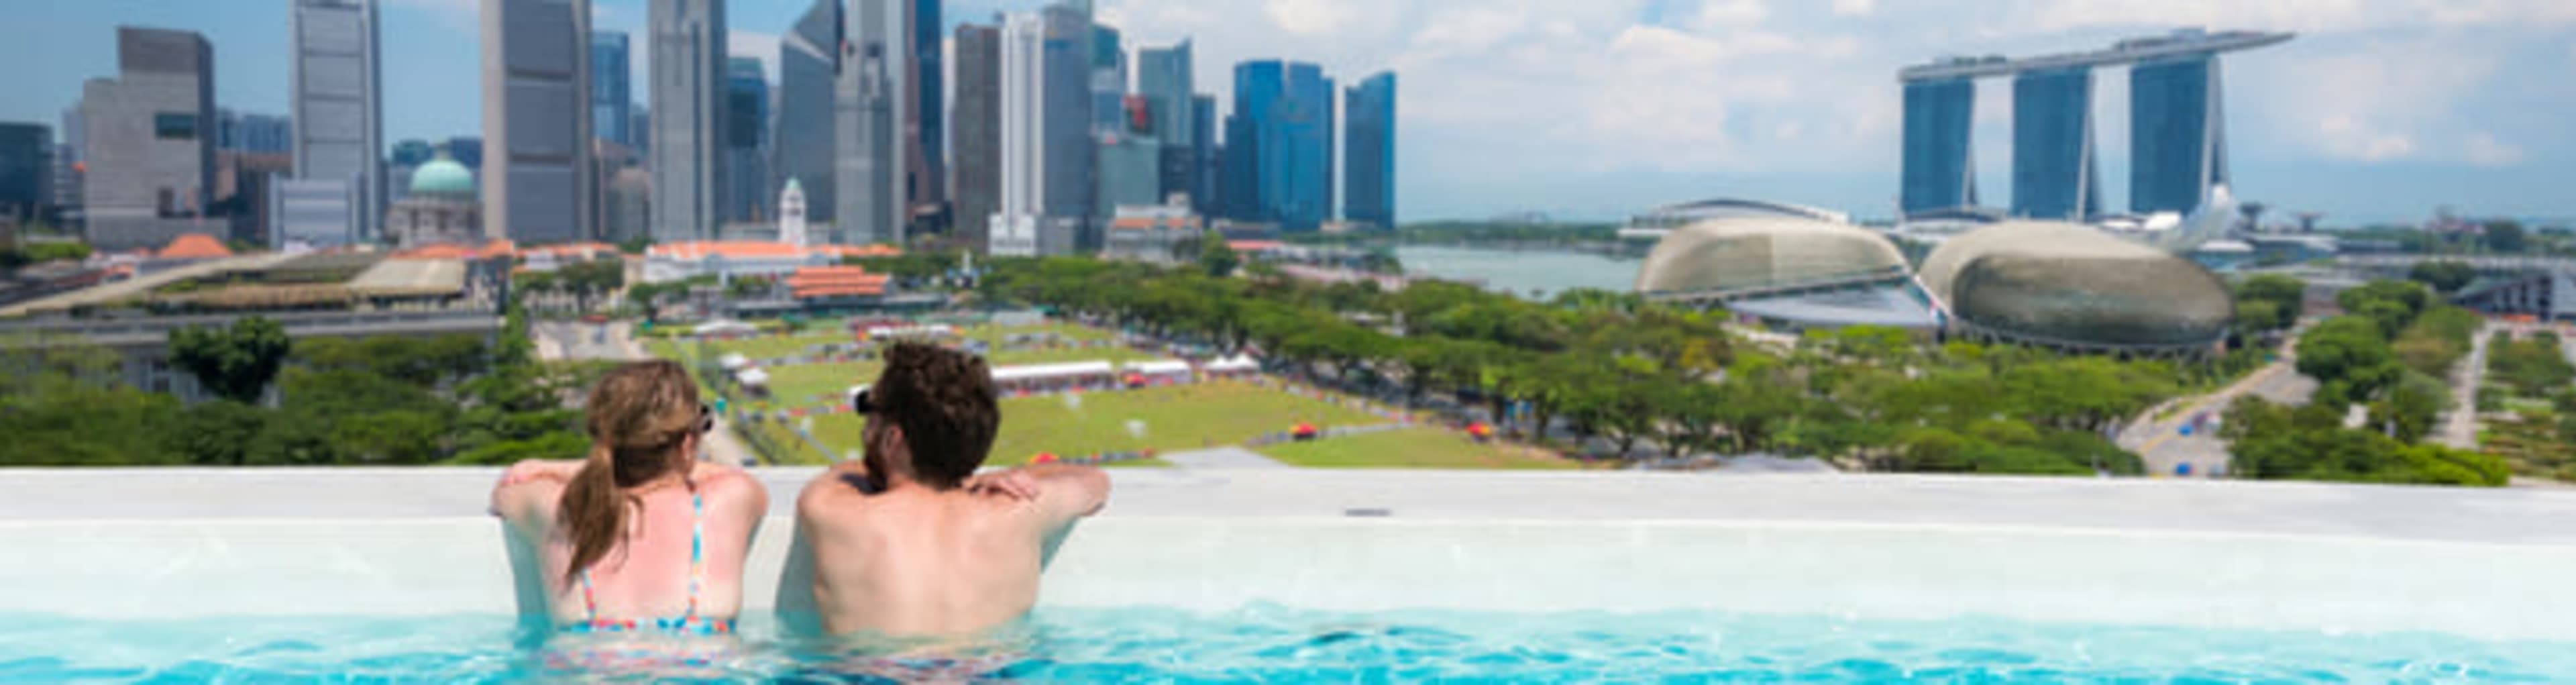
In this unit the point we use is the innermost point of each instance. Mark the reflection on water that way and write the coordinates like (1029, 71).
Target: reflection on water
(1534, 275)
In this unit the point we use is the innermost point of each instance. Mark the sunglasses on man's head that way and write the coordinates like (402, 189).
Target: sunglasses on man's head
(864, 403)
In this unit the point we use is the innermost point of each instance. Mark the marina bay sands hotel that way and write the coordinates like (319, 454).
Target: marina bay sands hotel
(2177, 127)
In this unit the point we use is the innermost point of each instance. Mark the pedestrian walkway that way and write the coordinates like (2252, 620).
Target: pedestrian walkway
(1222, 458)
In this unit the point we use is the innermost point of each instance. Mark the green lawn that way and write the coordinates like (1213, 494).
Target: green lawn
(1419, 448)
(1173, 419)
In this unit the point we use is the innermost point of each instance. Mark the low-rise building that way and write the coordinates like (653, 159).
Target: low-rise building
(1152, 234)
(672, 262)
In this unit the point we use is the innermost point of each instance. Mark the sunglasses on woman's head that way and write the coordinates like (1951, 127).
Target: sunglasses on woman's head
(706, 419)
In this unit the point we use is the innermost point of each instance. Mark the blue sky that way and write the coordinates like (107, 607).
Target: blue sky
(2381, 110)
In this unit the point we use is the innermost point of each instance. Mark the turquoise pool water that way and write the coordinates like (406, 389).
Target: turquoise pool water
(1267, 645)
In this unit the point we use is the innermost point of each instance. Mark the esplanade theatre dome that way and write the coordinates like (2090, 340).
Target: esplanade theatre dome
(1745, 253)
(2065, 285)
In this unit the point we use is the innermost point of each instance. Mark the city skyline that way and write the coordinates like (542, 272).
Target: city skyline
(2379, 112)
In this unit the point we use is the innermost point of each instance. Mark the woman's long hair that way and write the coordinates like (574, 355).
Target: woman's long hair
(639, 416)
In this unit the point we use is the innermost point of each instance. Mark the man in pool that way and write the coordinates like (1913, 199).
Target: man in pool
(908, 541)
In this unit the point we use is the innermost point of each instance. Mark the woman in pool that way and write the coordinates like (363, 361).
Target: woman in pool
(641, 537)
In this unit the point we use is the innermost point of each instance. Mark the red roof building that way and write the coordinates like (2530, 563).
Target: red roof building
(194, 246)
(816, 282)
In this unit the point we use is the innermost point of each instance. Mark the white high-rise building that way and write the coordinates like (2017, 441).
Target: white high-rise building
(876, 51)
(688, 124)
(1014, 228)
(339, 107)
(791, 214)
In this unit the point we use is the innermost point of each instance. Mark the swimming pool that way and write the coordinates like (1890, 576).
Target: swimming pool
(295, 575)
(1278, 645)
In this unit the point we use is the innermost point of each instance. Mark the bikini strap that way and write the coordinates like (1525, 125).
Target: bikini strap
(589, 606)
(697, 548)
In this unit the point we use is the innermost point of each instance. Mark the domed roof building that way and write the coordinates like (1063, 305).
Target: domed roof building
(1723, 258)
(442, 209)
(2071, 287)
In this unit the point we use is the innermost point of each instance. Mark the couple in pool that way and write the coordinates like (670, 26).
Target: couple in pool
(908, 542)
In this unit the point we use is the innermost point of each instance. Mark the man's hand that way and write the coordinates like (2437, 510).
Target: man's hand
(1014, 483)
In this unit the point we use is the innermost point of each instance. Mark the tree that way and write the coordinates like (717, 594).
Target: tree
(2443, 276)
(2507, 236)
(1216, 258)
(218, 433)
(2287, 295)
(2349, 351)
(234, 363)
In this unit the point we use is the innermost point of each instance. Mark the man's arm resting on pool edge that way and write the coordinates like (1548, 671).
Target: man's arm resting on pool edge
(1064, 492)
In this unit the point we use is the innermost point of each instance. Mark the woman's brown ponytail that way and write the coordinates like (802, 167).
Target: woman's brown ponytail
(638, 415)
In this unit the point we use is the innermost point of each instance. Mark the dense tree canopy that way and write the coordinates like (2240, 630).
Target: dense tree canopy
(234, 362)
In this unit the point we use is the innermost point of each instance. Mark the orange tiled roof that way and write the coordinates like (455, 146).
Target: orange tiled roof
(195, 246)
(732, 249)
(836, 281)
(439, 251)
(1254, 245)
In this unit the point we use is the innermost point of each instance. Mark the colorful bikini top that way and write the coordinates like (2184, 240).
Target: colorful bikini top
(688, 624)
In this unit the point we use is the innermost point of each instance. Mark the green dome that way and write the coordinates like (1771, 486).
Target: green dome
(442, 176)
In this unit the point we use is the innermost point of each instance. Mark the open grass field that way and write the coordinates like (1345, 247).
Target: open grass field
(1172, 419)
(1416, 448)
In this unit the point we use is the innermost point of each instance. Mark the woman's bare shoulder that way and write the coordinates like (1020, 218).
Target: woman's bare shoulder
(726, 480)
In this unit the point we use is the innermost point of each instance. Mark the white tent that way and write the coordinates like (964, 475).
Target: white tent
(752, 377)
(1233, 364)
(734, 361)
(1042, 372)
(930, 331)
(1160, 367)
(725, 328)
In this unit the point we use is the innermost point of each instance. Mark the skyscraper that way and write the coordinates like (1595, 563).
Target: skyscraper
(1368, 130)
(874, 87)
(1286, 151)
(339, 105)
(1168, 81)
(1938, 170)
(689, 143)
(1130, 164)
(2177, 136)
(926, 112)
(149, 140)
(266, 134)
(1047, 149)
(26, 160)
(1108, 78)
(536, 121)
(611, 87)
(1204, 193)
(808, 66)
(747, 140)
(2054, 174)
(978, 124)
(1013, 229)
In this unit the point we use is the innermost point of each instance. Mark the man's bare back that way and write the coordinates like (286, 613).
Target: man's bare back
(916, 561)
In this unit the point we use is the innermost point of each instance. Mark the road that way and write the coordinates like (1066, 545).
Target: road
(2459, 428)
(2165, 449)
(566, 340)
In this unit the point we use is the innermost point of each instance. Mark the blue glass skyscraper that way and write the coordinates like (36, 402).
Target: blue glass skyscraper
(610, 87)
(806, 140)
(1369, 132)
(2176, 136)
(1937, 166)
(746, 145)
(2054, 173)
(1283, 150)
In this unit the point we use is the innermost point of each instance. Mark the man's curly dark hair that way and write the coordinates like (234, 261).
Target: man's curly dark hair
(944, 401)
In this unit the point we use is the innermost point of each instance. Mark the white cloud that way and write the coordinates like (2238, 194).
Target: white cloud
(2348, 138)
(1308, 17)
(2484, 150)
(1855, 8)
(1729, 13)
